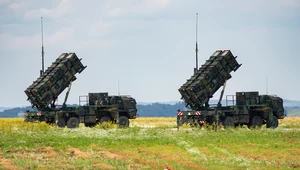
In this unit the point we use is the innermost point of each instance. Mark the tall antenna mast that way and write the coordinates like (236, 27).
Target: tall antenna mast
(42, 71)
(196, 69)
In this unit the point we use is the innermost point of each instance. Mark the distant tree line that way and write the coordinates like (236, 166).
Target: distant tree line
(15, 112)
(159, 110)
(292, 111)
(150, 110)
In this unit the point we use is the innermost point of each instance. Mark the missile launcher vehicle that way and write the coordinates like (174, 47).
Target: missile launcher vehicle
(244, 108)
(93, 108)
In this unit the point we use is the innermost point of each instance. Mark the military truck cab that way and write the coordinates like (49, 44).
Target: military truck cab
(276, 103)
(126, 105)
(262, 109)
(105, 108)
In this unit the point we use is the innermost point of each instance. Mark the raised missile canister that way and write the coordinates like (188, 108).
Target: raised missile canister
(54, 80)
(208, 79)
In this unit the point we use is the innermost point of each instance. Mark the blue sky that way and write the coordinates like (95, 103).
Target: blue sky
(149, 45)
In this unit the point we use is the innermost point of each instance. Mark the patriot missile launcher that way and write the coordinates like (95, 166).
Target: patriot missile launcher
(93, 108)
(244, 108)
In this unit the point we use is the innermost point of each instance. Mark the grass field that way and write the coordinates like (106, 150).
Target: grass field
(149, 143)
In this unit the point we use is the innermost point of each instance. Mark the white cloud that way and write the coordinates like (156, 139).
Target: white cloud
(290, 2)
(99, 28)
(115, 12)
(10, 41)
(16, 6)
(63, 7)
(4, 2)
(162, 2)
(62, 37)
(155, 5)
(132, 8)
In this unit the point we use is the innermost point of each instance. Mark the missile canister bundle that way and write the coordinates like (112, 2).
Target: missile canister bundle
(208, 79)
(54, 80)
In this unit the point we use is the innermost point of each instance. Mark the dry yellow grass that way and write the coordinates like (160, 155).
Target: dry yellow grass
(9, 124)
(154, 119)
(291, 119)
(154, 122)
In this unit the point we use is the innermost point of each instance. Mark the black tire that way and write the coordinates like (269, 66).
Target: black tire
(272, 123)
(104, 119)
(89, 124)
(73, 122)
(123, 121)
(238, 125)
(228, 122)
(61, 123)
(256, 122)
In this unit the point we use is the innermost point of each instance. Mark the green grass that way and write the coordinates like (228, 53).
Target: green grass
(40, 146)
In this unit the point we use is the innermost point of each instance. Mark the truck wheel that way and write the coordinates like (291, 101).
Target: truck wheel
(61, 123)
(123, 121)
(104, 119)
(272, 123)
(73, 122)
(256, 122)
(228, 122)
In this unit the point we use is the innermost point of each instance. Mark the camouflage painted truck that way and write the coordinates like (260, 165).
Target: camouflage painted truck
(93, 108)
(244, 108)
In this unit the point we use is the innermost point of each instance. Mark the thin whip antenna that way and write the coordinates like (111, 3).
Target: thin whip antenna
(118, 87)
(42, 46)
(267, 85)
(197, 42)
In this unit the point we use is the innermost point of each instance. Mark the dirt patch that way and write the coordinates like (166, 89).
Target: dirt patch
(108, 154)
(257, 157)
(136, 156)
(75, 152)
(64, 165)
(98, 165)
(294, 165)
(40, 153)
(16, 151)
(47, 152)
(135, 166)
(7, 164)
(167, 157)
